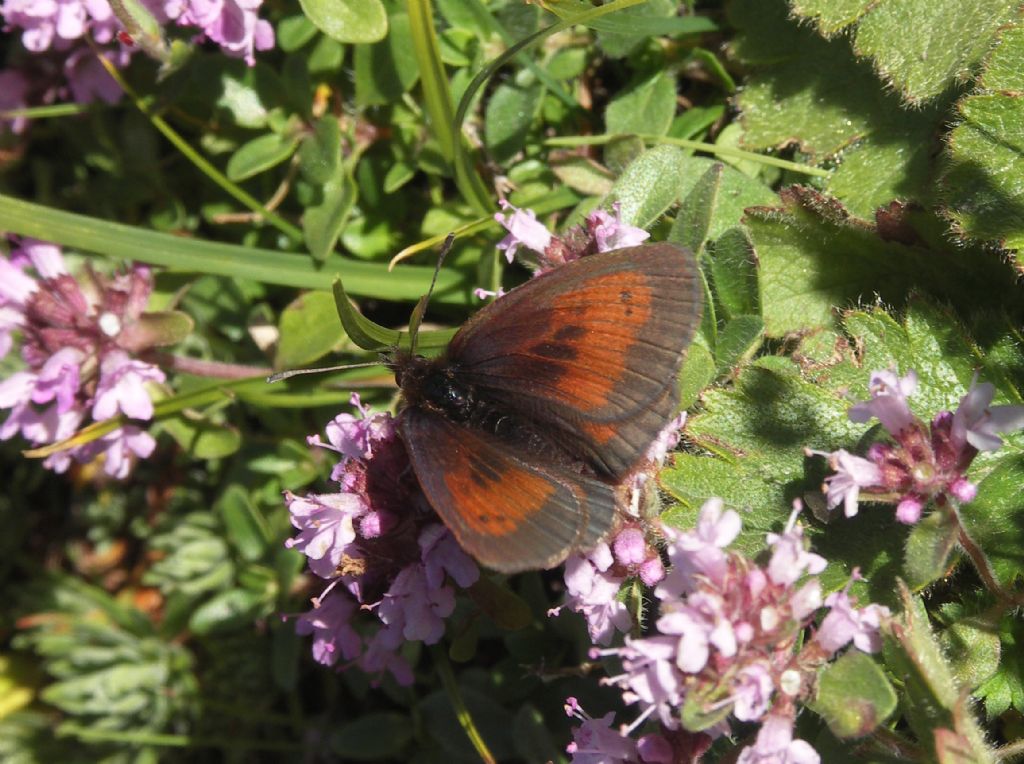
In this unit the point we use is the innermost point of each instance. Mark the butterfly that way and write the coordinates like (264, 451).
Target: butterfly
(522, 433)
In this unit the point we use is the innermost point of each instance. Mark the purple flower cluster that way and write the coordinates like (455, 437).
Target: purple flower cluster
(381, 548)
(602, 231)
(925, 463)
(64, 26)
(728, 642)
(77, 343)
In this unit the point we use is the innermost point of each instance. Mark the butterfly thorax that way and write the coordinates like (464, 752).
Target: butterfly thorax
(433, 384)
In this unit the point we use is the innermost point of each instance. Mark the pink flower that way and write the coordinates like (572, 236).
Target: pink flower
(775, 745)
(852, 474)
(595, 742)
(790, 558)
(752, 692)
(524, 230)
(977, 422)
(327, 531)
(699, 552)
(888, 401)
(13, 93)
(844, 623)
(232, 24)
(330, 623)
(611, 233)
(592, 590)
(122, 386)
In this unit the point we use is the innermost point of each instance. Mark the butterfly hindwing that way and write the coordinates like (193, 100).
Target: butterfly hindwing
(509, 510)
(591, 350)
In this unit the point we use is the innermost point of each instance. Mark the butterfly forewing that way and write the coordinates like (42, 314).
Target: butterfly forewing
(591, 351)
(508, 509)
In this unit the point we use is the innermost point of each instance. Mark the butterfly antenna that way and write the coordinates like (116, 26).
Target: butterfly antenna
(421, 306)
(281, 375)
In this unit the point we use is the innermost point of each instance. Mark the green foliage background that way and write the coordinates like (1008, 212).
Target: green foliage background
(851, 174)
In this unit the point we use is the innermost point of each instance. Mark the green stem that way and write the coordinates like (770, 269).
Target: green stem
(42, 112)
(709, 148)
(444, 670)
(91, 735)
(200, 162)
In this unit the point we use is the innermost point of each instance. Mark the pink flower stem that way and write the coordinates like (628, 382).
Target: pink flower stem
(201, 368)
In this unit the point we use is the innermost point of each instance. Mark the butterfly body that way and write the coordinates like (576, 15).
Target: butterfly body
(522, 433)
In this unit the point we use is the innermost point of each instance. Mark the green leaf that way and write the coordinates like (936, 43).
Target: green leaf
(246, 529)
(582, 174)
(371, 336)
(188, 255)
(647, 107)
(973, 647)
(733, 270)
(293, 32)
(532, 737)
(260, 154)
(156, 329)
(1006, 688)
(323, 223)
(984, 182)
(995, 519)
(853, 695)
(815, 257)
(693, 222)
(831, 15)
(373, 736)
(506, 608)
(932, 697)
(738, 341)
(697, 373)
(348, 20)
(387, 69)
(490, 718)
(309, 329)
(320, 153)
(201, 438)
(929, 546)
(922, 47)
(510, 113)
(649, 185)
(227, 610)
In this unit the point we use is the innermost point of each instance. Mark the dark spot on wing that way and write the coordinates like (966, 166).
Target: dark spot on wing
(557, 350)
(625, 296)
(481, 472)
(570, 332)
(484, 518)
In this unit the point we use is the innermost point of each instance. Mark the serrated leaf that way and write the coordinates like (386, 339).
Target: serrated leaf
(853, 695)
(984, 182)
(814, 257)
(647, 107)
(260, 154)
(830, 15)
(322, 224)
(1006, 688)
(352, 21)
(922, 47)
(309, 329)
(373, 736)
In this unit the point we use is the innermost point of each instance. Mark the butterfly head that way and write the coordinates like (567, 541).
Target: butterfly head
(432, 384)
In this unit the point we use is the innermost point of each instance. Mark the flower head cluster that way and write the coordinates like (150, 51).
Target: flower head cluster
(727, 639)
(78, 337)
(924, 463)
(380, 547)
(594, 580)
(64, 26)
(602, 231)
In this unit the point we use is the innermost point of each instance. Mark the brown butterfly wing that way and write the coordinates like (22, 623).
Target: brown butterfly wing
(590, 351)
(507, 509)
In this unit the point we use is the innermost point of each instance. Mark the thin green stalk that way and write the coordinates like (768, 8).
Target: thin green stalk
(708, 148)
(444, 670)
(92, 735)
(43, 112)
(437, 99)
(464, 169)
(292, 232)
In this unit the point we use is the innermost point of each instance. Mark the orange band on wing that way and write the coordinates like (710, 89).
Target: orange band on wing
(496, 502)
